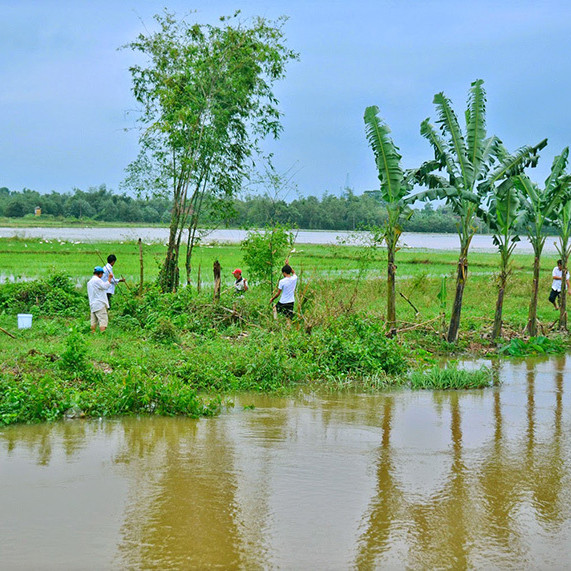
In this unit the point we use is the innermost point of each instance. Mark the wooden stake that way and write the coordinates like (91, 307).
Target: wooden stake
(141, 265)
(198, 283)
(217, 271)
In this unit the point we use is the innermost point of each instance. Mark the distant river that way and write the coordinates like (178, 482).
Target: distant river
(481, 243)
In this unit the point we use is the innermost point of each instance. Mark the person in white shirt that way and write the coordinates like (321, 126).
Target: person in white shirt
(108, 271)
(286, 288)
(98, 303)
(556, 285)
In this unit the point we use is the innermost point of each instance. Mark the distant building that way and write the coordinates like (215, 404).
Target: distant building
(38, 211)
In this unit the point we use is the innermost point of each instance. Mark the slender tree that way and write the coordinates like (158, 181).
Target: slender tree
(503, 216)
(206, 97)
(540, 205)
(474, 164)
(563, 222)
(396, 186)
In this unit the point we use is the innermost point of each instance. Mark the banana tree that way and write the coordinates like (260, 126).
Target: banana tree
(474, 163)
(563, 222)
(396, 186)
(503, 215)
(540, 204)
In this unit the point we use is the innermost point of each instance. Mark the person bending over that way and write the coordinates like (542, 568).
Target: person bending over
(556, 285)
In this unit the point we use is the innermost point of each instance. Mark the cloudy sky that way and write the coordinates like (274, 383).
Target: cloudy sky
(65, 98)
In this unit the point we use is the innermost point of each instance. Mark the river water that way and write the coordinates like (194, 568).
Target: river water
(482, 243)
(422, 480)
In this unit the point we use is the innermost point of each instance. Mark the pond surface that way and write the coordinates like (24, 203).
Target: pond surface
(481, 243)
(476, 479)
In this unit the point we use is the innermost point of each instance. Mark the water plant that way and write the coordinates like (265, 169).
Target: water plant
(451, 377)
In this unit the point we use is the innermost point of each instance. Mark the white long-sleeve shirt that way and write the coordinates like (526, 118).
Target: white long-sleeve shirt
(108, 269)
(97, 293)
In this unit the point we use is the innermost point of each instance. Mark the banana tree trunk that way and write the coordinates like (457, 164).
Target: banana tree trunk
(497, 329)
(563, 298)
(531, 326)
(391, 297)
(457, 307)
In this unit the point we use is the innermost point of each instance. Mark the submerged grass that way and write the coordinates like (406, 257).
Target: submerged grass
(440, 378)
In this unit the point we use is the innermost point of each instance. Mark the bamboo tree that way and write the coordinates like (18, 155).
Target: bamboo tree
(206, 102)
(540, 204)
(474, 163)
(396, 186)
(503, 216)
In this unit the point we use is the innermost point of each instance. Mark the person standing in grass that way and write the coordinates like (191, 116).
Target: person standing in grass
(98, 302)
(556, 285)
(286, 288)
(240, 285)
(108, 272)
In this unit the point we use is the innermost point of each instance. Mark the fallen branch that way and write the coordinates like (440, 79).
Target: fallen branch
(409, 302)
(7, 333)
(418, 325)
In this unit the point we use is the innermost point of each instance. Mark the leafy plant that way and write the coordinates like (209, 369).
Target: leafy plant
(533, 346)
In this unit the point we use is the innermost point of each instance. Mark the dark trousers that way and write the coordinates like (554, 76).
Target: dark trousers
(285, 308)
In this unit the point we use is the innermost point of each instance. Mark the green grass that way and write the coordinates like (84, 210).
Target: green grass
(445, 378)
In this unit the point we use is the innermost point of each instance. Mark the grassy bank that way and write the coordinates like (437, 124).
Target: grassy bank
(182, 353)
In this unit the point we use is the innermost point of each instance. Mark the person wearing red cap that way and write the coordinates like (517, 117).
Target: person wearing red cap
(240, 285)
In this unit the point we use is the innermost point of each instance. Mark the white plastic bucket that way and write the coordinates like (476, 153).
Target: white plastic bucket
(24, 320)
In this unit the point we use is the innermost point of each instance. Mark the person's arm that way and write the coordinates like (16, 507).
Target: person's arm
(279, 291)
(245, 285)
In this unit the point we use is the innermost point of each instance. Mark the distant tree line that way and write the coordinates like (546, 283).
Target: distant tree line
(346, 212)
(97, 203)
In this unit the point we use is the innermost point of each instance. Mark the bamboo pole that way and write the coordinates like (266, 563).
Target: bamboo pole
(141, 266)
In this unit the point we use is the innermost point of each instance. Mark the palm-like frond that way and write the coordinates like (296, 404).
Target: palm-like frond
(387, 157)
(442, 153)
(476, 125)
(512, 165)
(449, 124)
(557, 169)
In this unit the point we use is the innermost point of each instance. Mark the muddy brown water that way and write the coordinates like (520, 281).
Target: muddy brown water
(418, 480)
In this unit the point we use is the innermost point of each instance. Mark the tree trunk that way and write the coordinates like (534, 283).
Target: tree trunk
(497, 329)
(531, 326)
(217, 280)
(169, 273)
(391, 297)
(457, 307)
(563, 299)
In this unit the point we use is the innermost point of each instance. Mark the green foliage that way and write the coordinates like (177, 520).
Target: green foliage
(264, 253)
(163, 330)
(55, 295)
(354, 345)
(47, 398)
(74, 357)
(533, 346)
(451, 378)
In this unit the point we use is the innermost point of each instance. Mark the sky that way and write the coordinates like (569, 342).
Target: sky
(67, 114)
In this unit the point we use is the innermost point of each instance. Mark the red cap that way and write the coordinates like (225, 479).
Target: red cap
(237, 271)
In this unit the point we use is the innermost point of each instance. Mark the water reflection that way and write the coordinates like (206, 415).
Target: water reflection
(422, 480)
